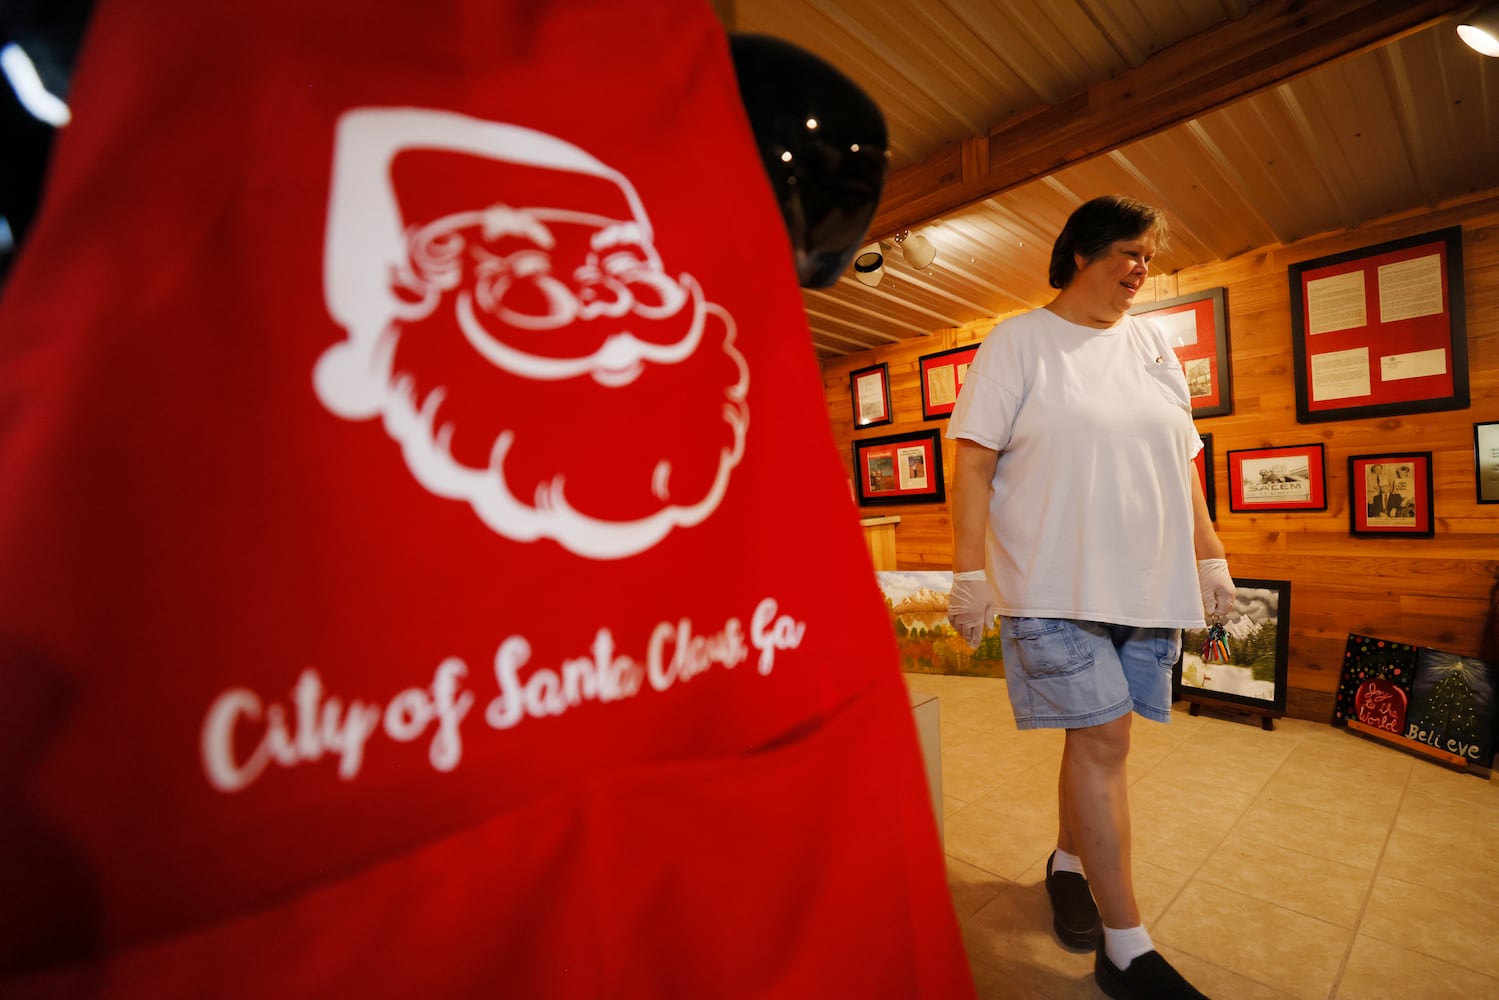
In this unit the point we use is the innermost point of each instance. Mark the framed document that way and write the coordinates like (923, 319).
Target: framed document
(900, 468)
(942, 376)
(1486, 460)
(1390, 495)
(870, 388)
(1197, 326)
(1293, 478)
(1380, 331)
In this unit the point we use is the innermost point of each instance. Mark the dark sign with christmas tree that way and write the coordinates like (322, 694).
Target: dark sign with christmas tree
(1452, 705)
(1436, 703)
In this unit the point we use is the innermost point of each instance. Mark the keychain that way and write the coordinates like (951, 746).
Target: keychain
(1215, 649)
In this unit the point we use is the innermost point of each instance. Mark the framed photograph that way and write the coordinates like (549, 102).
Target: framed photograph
(1204, 464)
(1277, 479)
(942, 377)
(1380, 331)
(900, 468)
(1197, 326)
(1390, 495)
(1253, 675)
(870, 388)
(1486, 460)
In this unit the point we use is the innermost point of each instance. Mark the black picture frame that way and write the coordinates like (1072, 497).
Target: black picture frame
(1267, 603)
(869, 392)
(1204, 465)
(1486, 460)
(1205, 358)
(947, 370)
(1390, 495)
(1387, 365)
(899, 469)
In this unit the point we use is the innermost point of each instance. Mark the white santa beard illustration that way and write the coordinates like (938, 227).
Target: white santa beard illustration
(605, 471)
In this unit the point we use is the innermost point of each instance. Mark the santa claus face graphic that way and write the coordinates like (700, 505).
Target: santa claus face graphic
(511, 323)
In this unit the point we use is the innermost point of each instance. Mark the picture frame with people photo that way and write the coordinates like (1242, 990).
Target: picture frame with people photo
(1390, 495)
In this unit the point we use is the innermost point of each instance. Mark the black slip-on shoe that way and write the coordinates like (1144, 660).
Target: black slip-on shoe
(1074, 915)
(1149, 977)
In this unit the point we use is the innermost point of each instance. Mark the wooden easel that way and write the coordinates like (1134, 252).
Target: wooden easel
(1267, 716)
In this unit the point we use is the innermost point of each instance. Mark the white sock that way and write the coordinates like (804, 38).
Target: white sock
(1126, 945)
(1064, 862)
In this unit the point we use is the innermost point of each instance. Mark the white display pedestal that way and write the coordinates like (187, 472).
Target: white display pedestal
(924, 708)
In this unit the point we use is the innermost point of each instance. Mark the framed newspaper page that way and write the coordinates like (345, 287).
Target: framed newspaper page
(870, 389)
(1389, 495)
(1381, 331)
(1292, 478)
(900, 468)
(942, 376)
(1197, 327)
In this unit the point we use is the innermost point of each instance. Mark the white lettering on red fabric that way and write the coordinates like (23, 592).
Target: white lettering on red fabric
(313, 723)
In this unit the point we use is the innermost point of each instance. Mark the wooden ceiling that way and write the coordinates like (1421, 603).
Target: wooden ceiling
(1253, 124)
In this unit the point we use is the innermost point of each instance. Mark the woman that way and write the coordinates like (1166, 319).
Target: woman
(1079, 519)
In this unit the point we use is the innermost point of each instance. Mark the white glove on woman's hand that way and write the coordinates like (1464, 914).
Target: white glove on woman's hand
(1218, 591)
(970, 605)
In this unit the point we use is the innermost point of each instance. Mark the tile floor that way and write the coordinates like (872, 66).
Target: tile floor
(1306, 862)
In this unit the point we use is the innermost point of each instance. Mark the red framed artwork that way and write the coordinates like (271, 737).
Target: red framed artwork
(870, 388)
(900, 468)
(1381, 331)
(942, 376)
(1203, 463)
(1197, 326)
(1390, 495)
(1292, 478)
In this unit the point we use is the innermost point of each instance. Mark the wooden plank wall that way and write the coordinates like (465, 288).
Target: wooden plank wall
(1441, 591)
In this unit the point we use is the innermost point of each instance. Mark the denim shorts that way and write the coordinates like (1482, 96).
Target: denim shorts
(1066, 674)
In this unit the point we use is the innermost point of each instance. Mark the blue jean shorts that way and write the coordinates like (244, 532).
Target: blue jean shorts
(1066, 674)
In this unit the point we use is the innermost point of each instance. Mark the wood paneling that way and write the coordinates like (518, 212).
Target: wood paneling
(1438, 591)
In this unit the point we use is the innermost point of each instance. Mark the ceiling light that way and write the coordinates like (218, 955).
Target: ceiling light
(1481, 31)
(869, 266)
(917, 249)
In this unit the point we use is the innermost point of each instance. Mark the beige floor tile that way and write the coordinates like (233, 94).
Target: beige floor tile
(1450, 815)
(1177, 824)
(1378, 970)
(1269, 944)
(972, 888)
(1317, 887)
(1216, 981)
(1464, 866)
(1020, 980)
(1443, 925)
(1323, 833)
(1013, 933)
(1002, 842)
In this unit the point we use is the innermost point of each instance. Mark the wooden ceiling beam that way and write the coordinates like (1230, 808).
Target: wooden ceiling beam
(1275, 42)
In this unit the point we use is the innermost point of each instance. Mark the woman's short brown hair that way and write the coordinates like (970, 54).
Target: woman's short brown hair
(1098, 224)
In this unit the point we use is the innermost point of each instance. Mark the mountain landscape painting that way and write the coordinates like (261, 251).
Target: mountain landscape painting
(917, 600)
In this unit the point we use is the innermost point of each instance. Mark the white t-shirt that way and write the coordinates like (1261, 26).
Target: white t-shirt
(1091, 511)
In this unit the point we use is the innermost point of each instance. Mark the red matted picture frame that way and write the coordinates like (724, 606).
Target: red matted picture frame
(1390, 496)
(1203, 463)
(870, 389)
(1290, 478)
(899, 468)
(1197, 326)
(1381, 331)
(942, 376)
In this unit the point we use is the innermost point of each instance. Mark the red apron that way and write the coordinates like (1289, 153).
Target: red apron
(425, 569)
